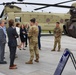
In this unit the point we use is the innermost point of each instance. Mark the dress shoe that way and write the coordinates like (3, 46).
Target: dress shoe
(3, 62)
(24, 49)
(13, 67)
(40, 49)
(20, 49)
(26, 46)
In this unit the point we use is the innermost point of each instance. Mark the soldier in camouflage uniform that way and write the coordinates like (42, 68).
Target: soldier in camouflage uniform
(57, 35)
(33, 42)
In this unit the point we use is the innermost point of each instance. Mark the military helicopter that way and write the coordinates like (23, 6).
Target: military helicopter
(70, 25)
(46, 20)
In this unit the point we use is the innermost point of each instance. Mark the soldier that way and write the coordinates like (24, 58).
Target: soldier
(33, 41)
(57, 35)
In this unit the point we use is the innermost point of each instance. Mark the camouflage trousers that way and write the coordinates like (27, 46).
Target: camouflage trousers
(57, 41)
(34, 50)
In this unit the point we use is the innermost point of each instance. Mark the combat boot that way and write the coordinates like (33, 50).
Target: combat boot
(58, 50)
(29, 62)
(53, 50)
(37, 60)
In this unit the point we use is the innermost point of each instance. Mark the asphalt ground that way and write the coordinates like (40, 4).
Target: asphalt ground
(48, 59)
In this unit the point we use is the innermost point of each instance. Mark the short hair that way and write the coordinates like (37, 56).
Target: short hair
(11, 22)
(33, 20)
(1, 21)
(17, 24)
(58, 22)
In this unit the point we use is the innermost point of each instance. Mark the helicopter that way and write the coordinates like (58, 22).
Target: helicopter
(46, 20)
(70, 25)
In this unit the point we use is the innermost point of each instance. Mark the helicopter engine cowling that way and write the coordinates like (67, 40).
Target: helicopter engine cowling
(70, 25)
(70, 30)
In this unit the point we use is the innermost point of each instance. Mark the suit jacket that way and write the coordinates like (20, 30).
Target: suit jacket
(12, 35)
(39, 34)
(2, 36)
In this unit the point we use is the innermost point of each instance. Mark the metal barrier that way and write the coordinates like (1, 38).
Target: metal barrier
(63, 61)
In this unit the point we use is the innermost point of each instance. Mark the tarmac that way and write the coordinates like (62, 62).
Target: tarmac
(48, 59)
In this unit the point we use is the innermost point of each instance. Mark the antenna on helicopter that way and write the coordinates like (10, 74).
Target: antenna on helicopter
(20, 0)
(42, 10)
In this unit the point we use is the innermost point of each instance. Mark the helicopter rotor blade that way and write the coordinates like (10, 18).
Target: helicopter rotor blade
(41, 4)
(2, 13)
(66, 2)
(54, 4)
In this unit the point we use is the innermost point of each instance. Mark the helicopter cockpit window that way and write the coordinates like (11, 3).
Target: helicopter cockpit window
(17, 19)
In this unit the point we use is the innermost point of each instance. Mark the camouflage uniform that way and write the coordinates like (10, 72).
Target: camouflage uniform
(57, 34)
(33, 44)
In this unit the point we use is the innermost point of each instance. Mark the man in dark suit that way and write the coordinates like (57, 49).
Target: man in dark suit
(12, 43)
(2, 43)
(39, 36)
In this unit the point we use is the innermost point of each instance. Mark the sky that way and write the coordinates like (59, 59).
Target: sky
(32, 7)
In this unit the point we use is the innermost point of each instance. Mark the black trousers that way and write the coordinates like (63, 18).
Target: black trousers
(26, 41)
(12, 55)
(39, 43)
(2, 51)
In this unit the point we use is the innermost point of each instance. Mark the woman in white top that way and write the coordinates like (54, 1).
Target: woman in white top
(18, 32)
